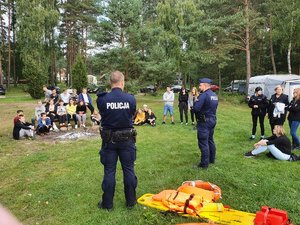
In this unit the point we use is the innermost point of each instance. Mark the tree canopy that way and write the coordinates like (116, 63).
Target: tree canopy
(152, 41)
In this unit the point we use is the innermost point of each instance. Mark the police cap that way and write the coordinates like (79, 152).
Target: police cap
(205, 80)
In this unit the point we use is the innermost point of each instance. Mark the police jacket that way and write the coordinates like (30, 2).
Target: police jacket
(282, 99)
(261, 101)
(116, 109)
(294, 110)
(206, 104)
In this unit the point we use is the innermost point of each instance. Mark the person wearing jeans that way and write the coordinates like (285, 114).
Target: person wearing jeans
(294, 118)
(279, 146)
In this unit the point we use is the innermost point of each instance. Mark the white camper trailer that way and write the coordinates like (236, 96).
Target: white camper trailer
(269, 82)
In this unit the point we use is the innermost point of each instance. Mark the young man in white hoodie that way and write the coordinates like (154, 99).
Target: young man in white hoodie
(168, 99)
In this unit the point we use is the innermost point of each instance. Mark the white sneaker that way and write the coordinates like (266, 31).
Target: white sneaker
(51, 129)
(69, 124)
(181, 123)
(76, 126)
(186, 123)
(83, 125)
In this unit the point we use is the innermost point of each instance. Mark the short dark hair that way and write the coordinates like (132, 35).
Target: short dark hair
(43, 114)
(19, 111)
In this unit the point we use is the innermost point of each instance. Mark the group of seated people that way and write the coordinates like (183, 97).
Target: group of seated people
(61, 108)
(144, 116)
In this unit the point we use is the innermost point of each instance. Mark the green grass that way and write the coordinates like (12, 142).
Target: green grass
(60, 182)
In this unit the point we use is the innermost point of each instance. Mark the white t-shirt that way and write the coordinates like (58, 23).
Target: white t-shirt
(85, 98)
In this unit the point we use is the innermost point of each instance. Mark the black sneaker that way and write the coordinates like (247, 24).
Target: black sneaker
(249, 155)
(294, 158)
(200, 166)
(163, 122)
(100, 206)
(173, 123)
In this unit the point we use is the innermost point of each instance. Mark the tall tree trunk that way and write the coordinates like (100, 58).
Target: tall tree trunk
(289, 57)
(248, 55)
(271, 48)
(8, 41)
(1, 73)
(2, 47)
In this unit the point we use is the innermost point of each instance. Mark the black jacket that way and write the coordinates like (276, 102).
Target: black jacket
(294, 110)
(183, 98)
(261, 101)
(282, 143)
(282, 99)
(18, 126)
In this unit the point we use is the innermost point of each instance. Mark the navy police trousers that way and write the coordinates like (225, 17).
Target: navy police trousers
(109, 154)
(206, 141)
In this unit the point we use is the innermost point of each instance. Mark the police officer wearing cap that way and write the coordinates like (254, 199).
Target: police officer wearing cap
(259, 104)
(205, 109)
(118, 141)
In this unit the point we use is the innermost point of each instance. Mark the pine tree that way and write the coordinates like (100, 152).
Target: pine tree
(79, 74)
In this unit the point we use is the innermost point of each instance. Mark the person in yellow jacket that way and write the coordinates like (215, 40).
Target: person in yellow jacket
(140, 117)
(71, 112)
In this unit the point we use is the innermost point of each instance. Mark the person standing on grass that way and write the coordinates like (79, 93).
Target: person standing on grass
(118, 141)
(183, 105)
(277, 107)
(259, 104)
(294, 118)
(205, 109)
(168, 99)
(278, 144)
(192, 99)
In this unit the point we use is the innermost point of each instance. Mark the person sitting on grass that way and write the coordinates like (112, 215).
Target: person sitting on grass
(44, 125)
(16, 118)
(96, 118)
(151, 118)
(61, 113)
(51, 113)
(279, 146)
(81, 113)
(38, 110)
(139, 118)
(23, 129)
(71, 112)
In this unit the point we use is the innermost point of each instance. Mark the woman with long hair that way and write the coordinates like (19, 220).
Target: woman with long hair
(278, 144)
(294, 117)
(192, 98)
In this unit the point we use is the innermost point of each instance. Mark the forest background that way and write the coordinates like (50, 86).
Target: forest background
(151, 41)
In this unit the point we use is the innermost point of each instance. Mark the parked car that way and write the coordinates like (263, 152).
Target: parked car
(176, 88)
(238, 86)
(148, 89)
(214, 87)
(2, 90)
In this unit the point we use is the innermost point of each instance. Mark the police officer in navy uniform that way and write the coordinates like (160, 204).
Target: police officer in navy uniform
(205, 109)
(118, 141)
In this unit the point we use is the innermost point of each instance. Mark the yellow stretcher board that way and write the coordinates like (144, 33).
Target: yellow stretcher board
(227, 216)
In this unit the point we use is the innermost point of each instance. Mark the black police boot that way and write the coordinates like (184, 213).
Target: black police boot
(100, 206)
(130, 206)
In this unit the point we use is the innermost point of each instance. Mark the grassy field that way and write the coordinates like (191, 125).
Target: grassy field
(54, 182)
